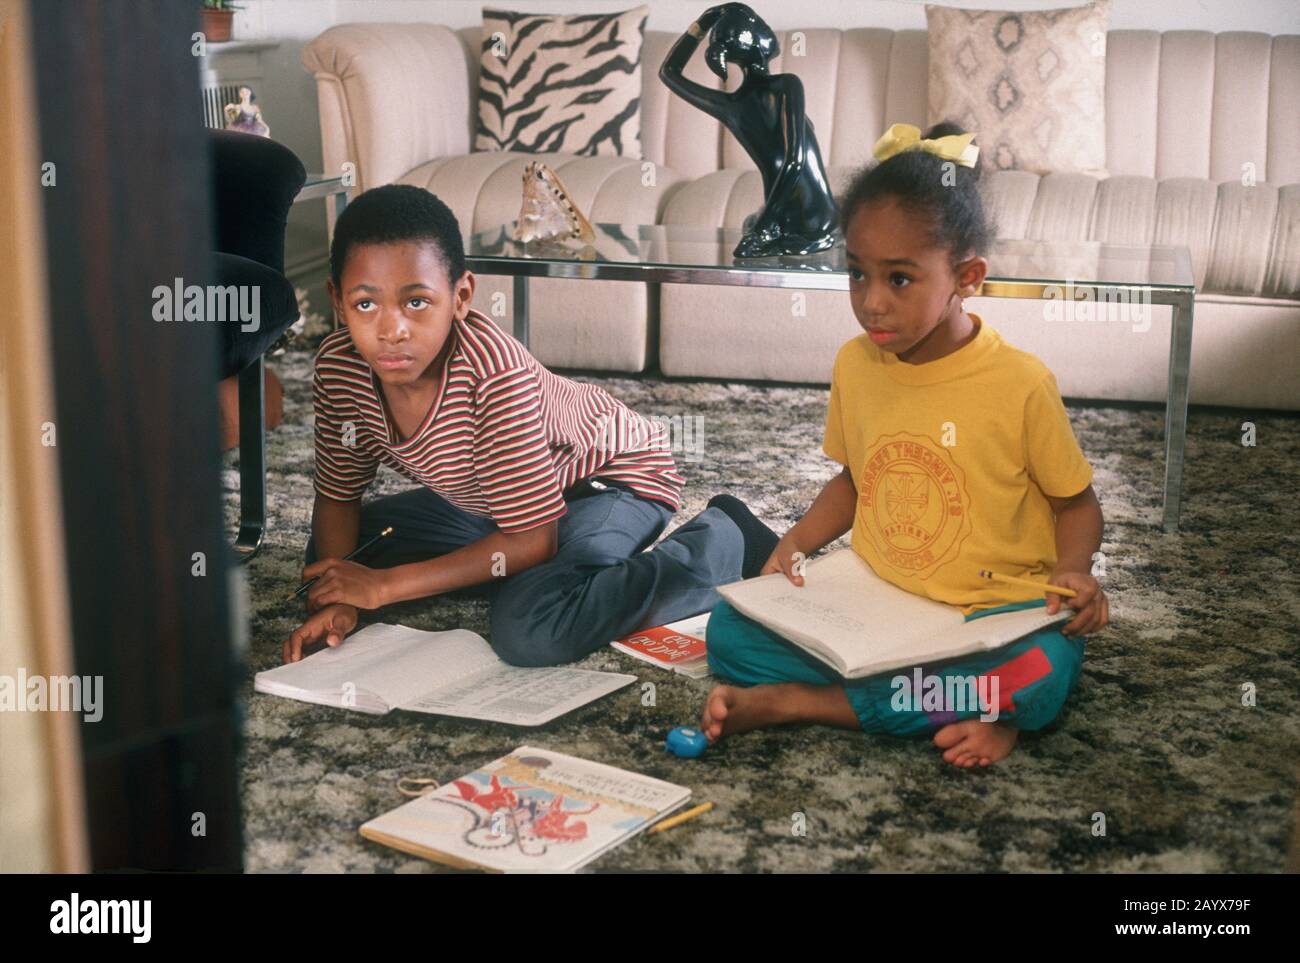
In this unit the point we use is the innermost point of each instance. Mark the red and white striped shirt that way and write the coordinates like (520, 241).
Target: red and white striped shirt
(504, 438)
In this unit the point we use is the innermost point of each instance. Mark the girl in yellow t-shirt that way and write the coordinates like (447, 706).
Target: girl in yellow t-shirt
(958, 456)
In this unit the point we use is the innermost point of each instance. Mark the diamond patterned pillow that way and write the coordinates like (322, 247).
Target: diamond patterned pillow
(570, 84)
(1030, 84)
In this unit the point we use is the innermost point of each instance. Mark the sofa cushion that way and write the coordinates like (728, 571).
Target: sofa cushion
(567, 84)
(391, 95)
(484, 189)
(1031, 84)
(1243, 349)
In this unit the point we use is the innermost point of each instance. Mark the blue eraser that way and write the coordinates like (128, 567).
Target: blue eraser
(687, 742)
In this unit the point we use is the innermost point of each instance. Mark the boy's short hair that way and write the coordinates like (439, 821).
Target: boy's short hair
(393, 213)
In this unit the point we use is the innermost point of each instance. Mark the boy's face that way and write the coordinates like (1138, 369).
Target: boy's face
(901, 285)
(399, 306)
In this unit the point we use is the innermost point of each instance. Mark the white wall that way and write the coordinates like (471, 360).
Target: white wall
(288, 94)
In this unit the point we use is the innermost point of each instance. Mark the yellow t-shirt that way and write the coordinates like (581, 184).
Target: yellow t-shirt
(952, 460)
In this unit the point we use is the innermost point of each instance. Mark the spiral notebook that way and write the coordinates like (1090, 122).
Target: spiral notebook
(860, 625)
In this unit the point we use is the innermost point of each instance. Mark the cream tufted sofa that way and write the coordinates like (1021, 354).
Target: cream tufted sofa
(1186, 112)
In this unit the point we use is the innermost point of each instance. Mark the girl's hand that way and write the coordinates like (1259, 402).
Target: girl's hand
(330, 625)
(787, 558)
(349, 582)
(1090, 603)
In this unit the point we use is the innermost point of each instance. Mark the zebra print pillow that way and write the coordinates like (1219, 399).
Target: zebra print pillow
(569, 84)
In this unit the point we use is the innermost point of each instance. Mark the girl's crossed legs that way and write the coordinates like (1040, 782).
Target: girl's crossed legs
(1024, 685)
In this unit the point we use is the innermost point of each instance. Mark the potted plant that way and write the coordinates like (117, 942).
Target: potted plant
(214, 20)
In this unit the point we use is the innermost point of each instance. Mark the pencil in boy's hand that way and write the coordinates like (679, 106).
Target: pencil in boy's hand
(347, 558)
(1027, 583)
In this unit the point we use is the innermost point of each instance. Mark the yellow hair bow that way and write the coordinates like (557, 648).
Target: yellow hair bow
(900, 137)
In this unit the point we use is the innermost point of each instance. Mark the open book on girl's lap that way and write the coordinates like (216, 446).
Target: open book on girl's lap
(859, 624)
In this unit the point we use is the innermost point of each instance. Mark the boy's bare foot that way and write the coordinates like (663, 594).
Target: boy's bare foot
(972, 742)
(731, 709)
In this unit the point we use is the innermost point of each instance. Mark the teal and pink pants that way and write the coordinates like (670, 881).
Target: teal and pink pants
(1035, 674)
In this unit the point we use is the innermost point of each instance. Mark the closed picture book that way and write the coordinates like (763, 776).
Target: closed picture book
(860, 625)
(531, 811)
(456, 673)
(678, 646)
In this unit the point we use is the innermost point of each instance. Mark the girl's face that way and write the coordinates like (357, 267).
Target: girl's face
(399, 306)
(904, 289)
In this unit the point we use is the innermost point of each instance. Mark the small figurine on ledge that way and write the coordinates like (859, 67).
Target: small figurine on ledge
(246, 116)
(547, 211)
(766, 114)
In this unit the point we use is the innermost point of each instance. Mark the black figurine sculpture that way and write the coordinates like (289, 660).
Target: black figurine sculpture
(766, 114)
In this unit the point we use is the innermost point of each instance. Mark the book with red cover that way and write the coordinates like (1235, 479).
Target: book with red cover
(678, 646)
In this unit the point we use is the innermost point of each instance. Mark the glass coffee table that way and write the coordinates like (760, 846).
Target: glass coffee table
(325, 185)
(1070, 277)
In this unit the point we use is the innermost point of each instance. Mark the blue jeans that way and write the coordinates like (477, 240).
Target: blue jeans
(1035, 674)
(601, 585)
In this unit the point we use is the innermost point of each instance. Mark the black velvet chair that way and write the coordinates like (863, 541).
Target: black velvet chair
(254, 182)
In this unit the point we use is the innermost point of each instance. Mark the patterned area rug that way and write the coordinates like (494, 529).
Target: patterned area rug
(1156, 737)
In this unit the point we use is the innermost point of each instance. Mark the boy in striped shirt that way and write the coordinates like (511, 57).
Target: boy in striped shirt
(545, 490)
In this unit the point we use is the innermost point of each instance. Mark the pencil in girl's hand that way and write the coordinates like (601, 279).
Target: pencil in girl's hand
(347, 558)
(1027, 583)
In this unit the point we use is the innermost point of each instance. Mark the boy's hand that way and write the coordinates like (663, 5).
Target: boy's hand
(330, 625)
(1091, 604)
(788, 558)
(348, 582)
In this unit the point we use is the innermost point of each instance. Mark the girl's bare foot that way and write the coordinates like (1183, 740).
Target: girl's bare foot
(730, 709)
(972, 742)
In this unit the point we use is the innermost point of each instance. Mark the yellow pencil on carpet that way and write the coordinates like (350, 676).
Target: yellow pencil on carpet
(1028, 583)
(681, 818)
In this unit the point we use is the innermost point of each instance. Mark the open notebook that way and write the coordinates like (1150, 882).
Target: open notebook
(456, 673)
(860, 625)
(533, 810)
